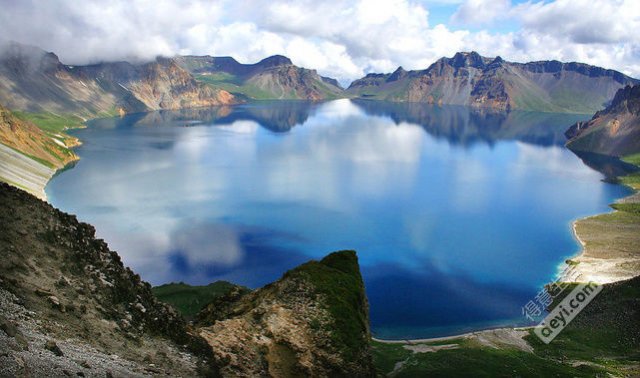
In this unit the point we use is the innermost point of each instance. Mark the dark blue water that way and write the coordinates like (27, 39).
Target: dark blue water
(458, 216)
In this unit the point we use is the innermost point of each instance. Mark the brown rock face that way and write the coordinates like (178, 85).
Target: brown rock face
(312, 322)
(612, 131)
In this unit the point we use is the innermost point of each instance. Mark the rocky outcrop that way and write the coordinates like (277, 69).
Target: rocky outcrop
(275, 77)
(473, 80)
(36, 81)
(612, 131)
(63, 285)
(312, 322)
(68, 304)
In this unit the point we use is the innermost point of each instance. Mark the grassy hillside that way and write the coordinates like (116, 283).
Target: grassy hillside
(234, 85)
(603, 340)
(188, 299)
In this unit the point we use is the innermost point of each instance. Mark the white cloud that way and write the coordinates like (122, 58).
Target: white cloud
(584, 21)
(481, 12)
(342, 39)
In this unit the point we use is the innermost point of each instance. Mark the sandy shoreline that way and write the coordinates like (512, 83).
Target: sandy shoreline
(494, 338)
(610, 247)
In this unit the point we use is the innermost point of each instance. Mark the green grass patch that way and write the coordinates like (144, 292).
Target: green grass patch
(235, 86)
(471, 362)
(188, 299)
(632, 159)
(337, 279)
(52, 123)
(633, 208)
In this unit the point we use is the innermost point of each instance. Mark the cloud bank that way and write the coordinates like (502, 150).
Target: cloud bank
(342, 39)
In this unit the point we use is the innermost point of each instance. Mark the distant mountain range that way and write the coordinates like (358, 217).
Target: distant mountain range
(612, 131)
(275, 77)
(36, 89)
(474, 80)
(36, 81)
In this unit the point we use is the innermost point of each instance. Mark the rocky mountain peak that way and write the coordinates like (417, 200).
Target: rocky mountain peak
(467, 59)
(25, 58)
(628, 97)
(274, 61)
(398, 74)
(613, 131)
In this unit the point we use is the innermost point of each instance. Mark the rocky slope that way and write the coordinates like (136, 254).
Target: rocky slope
(471, 79)
(312, 322)
(27, 138)
(68, 303)
(612, 131)
(272, 78)
(36, 81)
(30, 155)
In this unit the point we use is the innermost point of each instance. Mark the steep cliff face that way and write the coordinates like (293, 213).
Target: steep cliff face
(275, 77)
(470, 79)
(312, 322)
(67, 287)
(612, 131)
(34, 80)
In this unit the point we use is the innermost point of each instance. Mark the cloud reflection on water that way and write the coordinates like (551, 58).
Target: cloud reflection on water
(433, 197)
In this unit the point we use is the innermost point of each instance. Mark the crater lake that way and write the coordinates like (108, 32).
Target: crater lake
(458, 216)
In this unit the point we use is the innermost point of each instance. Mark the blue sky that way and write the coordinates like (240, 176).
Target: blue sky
(344, 39)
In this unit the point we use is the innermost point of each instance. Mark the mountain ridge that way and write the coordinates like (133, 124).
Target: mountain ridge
(34, 80)
(614, 130)
(470, 79)
(274, 77)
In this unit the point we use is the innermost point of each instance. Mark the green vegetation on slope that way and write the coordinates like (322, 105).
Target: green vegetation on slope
(603, 339)
(337, 279)
(633, 208)
(188, 299)
(471, 361)
(52, 123)
(633, 179)
(234, 85)
(632, 159)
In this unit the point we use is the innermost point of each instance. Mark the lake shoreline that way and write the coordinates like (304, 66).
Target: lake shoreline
(607, 252)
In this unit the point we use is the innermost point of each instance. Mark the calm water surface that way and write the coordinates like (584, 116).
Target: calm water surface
(458, 216)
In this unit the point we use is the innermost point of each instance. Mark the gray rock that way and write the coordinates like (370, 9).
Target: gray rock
(53, 347)
(8, 327)
(22, 341)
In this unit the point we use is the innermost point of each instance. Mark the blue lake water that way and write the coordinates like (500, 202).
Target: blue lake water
(458, 216)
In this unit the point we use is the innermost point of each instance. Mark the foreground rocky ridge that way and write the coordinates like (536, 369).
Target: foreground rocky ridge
(312, 322)
(474, 80)
(70, 306)
(66, 293)
(612, 131)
